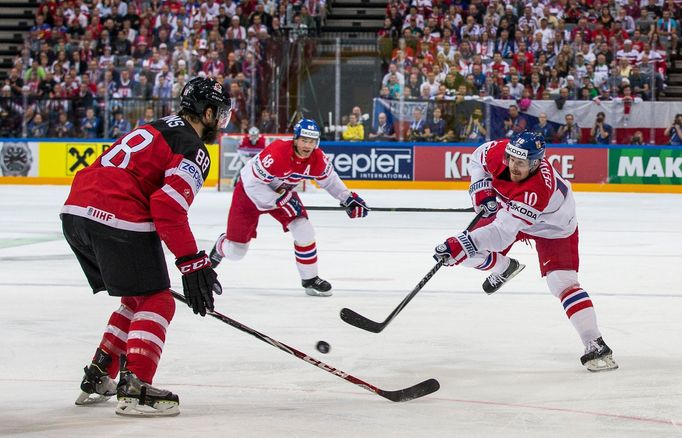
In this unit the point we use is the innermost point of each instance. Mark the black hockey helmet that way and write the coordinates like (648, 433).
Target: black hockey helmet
(200, 92)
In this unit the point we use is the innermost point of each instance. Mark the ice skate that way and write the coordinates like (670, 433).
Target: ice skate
(598, 356)
(317, 287)
(496, 281)
(215, 255)
(139, 399)
(97, 386)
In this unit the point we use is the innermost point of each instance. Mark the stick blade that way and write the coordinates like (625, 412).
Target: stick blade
(355, 319)
(419, 390)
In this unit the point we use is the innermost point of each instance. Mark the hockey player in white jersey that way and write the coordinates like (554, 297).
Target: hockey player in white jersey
(267, 186)
(524, 198)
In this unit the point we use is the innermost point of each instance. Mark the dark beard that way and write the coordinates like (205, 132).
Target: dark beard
(210, 133)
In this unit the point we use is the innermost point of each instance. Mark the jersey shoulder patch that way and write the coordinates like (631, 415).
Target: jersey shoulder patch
(493, 157)
(183, 140)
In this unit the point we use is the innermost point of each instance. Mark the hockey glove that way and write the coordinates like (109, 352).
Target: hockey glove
(456, 249)
(199, 281)
(355, 206)
(290, 203)
(484, 197)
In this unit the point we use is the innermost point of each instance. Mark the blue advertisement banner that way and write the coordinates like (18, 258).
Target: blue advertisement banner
(371, 162)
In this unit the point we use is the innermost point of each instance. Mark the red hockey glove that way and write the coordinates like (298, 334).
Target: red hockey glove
(290, 203)
(355, 206)
(456, 249)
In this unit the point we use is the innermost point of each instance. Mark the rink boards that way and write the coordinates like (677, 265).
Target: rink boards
(378, 165)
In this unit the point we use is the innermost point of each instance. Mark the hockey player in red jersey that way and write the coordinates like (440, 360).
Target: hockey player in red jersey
(535, 203)
(267, 184)
(251, 143)
(249, 146)
(135, 195)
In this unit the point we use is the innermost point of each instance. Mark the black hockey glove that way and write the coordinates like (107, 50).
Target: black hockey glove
(199, 281)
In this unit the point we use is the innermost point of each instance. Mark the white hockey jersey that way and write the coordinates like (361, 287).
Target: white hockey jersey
(542, 205)
(277, 169)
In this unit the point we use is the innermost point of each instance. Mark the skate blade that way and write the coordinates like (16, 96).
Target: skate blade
(90, 399)
(131, 408)
(316, 293)
(605, 363)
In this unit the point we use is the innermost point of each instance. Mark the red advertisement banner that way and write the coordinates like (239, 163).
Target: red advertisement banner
(449, 163)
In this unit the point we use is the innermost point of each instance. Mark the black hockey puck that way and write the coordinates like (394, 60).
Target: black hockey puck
(323, 347)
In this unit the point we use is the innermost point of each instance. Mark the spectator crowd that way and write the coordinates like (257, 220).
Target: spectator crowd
(95, 68)
(597, 50)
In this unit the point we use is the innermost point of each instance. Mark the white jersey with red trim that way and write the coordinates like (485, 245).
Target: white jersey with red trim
(146, 182)
(542, 205)
(277, 168)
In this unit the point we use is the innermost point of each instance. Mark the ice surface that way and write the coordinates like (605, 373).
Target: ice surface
(508, 363)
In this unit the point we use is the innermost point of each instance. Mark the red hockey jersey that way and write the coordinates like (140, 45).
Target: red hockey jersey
(277, 168)
(146, 181)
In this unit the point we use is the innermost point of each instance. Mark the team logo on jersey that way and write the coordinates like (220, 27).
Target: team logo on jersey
(79, 156)
(193, 172)
(524, 210)
(99, 215)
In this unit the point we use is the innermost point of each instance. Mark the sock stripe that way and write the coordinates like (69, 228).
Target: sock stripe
(305, 248)
(574, 300)
(307, 262)
(153, 317)
(145, 335)
(117, 333)
(125, 312)
(114, 350)
(306, 254)
(146, 352)
(568, 292)
(578, 307)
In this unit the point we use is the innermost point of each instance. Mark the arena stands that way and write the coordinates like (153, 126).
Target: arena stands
(88, 68)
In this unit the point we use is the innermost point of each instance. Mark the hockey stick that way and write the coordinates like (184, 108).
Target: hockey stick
(353, 318)
(397, 209)
(419, 390)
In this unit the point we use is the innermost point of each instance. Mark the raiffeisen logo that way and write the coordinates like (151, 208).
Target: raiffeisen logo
(375, 163)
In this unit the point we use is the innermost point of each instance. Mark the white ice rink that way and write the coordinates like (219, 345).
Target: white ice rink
(508, 364)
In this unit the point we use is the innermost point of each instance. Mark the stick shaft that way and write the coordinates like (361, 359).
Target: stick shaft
(354, 318)
(396, 209)
(416, 391)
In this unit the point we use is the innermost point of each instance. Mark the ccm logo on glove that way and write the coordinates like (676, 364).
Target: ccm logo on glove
(196, 265)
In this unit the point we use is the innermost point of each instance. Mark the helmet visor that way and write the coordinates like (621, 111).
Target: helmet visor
(224, 116)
